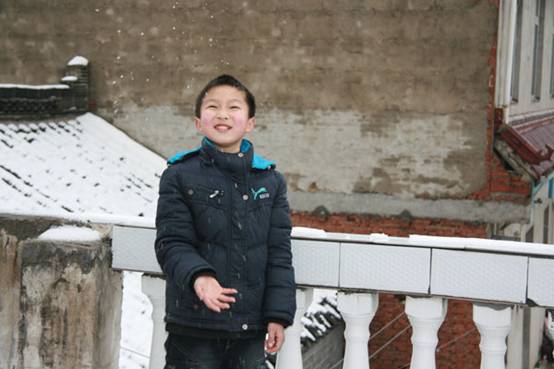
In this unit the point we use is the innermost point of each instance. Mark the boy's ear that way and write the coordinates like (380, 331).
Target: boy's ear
(250, 124)
(198, 124)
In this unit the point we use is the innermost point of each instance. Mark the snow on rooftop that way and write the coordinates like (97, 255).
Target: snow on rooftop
(71, 233)
(33, 87)
(76, 165)
(69, 79)
(78, 60)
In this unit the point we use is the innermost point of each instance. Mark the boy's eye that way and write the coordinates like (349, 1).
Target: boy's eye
(235, 107)
(211, 106)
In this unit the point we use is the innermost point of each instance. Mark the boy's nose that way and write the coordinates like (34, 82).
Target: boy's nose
(223, 115)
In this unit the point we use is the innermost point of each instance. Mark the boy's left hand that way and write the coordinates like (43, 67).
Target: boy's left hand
(275, 337)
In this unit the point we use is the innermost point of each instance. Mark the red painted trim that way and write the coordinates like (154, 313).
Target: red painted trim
(523, 148)
(538, 154)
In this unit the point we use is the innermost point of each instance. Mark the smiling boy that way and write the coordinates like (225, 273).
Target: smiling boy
(223, 241)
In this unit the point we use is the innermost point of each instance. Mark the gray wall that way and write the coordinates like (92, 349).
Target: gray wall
(373, 96)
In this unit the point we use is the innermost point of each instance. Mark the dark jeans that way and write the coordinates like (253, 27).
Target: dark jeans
(184, 352)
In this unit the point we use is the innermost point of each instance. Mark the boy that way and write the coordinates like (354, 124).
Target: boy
(223, 241)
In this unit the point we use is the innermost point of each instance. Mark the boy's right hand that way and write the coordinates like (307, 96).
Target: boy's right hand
(210, 292)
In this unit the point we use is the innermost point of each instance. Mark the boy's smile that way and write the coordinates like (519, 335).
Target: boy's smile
(224, 118)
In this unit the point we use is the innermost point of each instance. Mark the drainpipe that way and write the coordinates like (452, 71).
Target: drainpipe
(505, 55)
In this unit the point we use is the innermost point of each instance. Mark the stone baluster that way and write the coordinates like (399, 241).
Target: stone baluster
(493, 323)
(290, 355)
(426, 316)
(154, 288)
(357, 310)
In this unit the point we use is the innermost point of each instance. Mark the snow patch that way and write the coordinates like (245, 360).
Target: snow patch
(78, 60)
(308, 232)
(70, 233)
(321, 316)
(482, 244)
(33, 87)
(69, 79)
(136, 324)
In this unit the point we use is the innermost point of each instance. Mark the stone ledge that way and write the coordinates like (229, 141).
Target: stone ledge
(385, 205)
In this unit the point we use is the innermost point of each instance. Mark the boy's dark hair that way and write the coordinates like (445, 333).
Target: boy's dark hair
(226, 80)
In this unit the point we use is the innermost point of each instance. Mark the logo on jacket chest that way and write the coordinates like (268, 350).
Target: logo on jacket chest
(259, 194)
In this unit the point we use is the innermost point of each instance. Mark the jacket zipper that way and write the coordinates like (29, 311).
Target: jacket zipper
(216, 193)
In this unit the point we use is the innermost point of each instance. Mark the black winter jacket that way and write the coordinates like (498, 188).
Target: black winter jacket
(225, 214)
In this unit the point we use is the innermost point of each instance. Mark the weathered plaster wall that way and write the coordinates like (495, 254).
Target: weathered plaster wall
(371, 96)
(60, 303)
(9, 298)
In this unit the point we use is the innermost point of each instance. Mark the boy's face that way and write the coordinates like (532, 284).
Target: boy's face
(224, 118)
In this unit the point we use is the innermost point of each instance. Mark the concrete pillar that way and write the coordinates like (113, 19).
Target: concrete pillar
(493, 323)
(290, 355)
(426, 316)
(154, 288)
(69, 306)
(357, 309)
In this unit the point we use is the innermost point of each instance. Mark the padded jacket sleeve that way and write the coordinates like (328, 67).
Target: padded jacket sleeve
(280, 291)
(176, 236)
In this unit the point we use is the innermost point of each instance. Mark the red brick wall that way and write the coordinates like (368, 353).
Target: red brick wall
(393, 226)
(462, 353)
(501, 184)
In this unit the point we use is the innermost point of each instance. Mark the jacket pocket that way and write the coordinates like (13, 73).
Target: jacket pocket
(210, 196)
(208, 207)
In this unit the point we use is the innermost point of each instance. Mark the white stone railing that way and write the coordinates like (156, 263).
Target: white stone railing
(495, 275)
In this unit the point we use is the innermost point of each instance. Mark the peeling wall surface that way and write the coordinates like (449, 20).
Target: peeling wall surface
(60, 304)
(373, 96)
(9, 299)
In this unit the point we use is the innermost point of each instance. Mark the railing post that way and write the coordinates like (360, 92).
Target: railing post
(493, 324)
(290, 355)
(357, 310)
(426, 316)
(154, 288)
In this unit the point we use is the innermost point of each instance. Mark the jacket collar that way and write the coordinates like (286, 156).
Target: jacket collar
(257, 162)
(236, 164)
(252, 160)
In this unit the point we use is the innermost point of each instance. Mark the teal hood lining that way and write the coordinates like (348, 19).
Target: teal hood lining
(258, 162)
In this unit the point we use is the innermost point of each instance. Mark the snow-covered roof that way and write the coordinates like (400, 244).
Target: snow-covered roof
(78, 165)
(321, 316)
